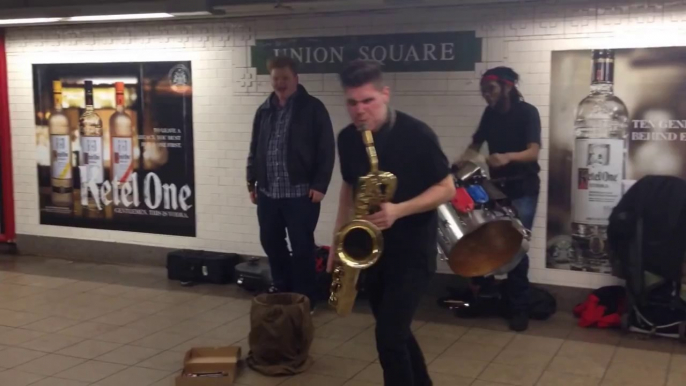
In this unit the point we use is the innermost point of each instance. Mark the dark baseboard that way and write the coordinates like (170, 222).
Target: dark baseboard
(91, 250)
(119, 253)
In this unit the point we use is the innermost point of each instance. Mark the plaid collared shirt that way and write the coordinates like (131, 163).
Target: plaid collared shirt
(277, 160)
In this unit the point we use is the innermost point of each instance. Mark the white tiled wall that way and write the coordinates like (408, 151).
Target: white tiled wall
(227, 91)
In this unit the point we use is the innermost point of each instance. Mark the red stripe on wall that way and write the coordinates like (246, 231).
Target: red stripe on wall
(8, 228)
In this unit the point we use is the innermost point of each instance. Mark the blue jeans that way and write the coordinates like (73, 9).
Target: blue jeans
(294, 272)
(517, 284)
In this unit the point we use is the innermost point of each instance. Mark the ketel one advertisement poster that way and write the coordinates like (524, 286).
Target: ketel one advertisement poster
(115, 146)
(616, 115)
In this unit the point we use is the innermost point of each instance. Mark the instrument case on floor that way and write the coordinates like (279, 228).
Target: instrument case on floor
(188, 266)
(254, 275)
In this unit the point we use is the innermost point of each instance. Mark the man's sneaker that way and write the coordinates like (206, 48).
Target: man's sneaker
(519, 322)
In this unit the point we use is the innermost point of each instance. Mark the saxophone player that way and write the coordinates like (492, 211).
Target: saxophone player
(410, 150)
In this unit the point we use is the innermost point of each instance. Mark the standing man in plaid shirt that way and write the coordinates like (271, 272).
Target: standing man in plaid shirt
(291, 160)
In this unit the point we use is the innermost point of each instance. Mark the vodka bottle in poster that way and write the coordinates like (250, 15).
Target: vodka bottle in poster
(61, 178)
(598, 164)
(121, 134)
(92, 165)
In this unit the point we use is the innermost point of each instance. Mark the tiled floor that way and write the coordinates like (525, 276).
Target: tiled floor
(78, 324)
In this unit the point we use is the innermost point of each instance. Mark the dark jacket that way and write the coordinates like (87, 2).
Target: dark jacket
(311, 145)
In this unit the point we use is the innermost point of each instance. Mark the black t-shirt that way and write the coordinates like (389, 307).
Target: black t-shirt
(512, 132)
(411, 151)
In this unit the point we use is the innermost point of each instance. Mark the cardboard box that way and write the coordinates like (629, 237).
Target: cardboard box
(221, 362)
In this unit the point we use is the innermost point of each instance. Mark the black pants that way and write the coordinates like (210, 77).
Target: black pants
(394, 295)
(299, 216)
(517, 283)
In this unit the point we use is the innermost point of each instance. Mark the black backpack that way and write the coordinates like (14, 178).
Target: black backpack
(542, 304)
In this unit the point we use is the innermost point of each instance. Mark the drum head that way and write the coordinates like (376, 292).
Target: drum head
(486, 249)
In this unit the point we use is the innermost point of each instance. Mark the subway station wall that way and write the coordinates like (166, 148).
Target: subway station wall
(228, 87)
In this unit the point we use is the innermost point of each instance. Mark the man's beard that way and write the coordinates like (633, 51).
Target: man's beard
(501, 104)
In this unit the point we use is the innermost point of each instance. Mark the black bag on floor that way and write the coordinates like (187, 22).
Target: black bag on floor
(493, 302)
(190, 267)
(254, 275)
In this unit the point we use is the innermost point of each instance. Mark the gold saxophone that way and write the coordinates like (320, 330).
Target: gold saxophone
(359, 243)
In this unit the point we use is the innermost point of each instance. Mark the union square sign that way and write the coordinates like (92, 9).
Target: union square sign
(409, 52)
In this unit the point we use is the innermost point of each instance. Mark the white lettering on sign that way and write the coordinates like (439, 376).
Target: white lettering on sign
(155, 193)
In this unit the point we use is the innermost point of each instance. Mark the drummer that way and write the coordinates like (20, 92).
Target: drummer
(512, 130)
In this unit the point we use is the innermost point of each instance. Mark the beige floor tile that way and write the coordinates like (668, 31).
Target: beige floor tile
(373, 374)
(175, 297)
(489, 337)
(478, 351)
(468, 368)
(440, 379)
(168, 381)
(17, 336)
(675, 378)
(441, 331)
(192, 328)
(323, 317)
(480, 382)
(88, 330)
(338, 367)
(550, 378)
(51, 324)
(51, 342)
(598, 352)
(650, 343)
(250, 377)
(89, 349)
(9, 318)
(134, 376)
(519, 357)
(112, 290)
(83, 313)
(18, 378)
(578, 365)
(59, 382)
(434, 345)
(142, 294)
(641, 357)
(636, 374)
(309, 379)
(515, 375)
(598, 336)
(353, 382)
(353, 350)
(365, 338)
(322, 346)
(329, 331)
(161, 341)
(537, 344)
(128, 355)
(614, 382)
(91, 371)
(50, 364)
(123, 335)
(677, 363)
(156, 323)
(15, 356)
(146, 307)
(119, 318)
(168, 361)
(354, 320)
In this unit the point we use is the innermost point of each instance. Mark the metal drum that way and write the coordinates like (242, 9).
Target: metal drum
(489, 240)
